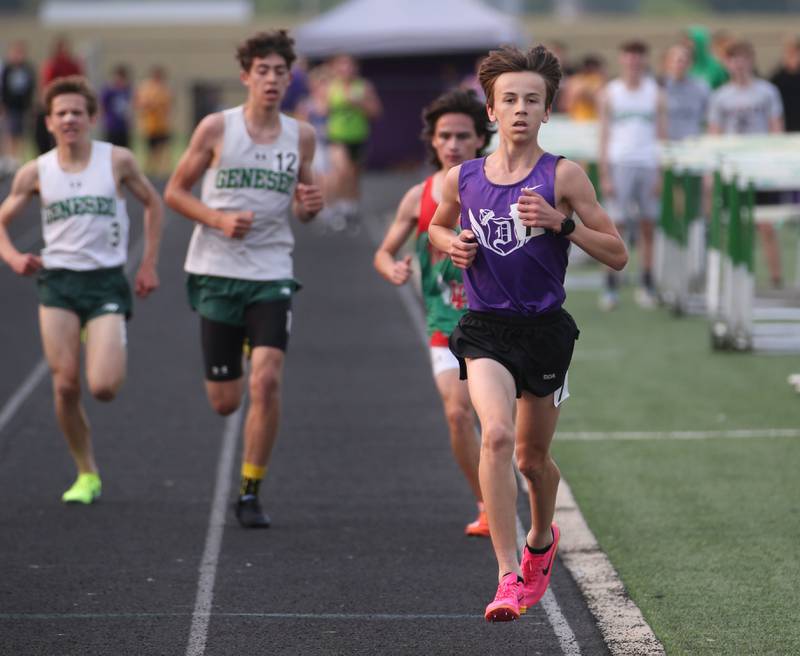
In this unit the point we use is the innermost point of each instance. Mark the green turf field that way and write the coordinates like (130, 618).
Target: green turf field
(705, 533)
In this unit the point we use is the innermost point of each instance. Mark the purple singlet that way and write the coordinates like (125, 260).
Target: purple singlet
(517, 270)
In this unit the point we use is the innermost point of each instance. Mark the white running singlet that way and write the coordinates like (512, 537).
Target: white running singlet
(256, 177)
(84, 220)
(633, 114)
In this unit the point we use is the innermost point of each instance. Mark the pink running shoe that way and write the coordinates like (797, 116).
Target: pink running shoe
(536, 569)
(507, 602)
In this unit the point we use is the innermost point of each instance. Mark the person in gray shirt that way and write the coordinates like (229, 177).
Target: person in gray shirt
(686, 96)
(749, 105)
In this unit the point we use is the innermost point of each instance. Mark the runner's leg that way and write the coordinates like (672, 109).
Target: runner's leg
(461, 421)
(61, 340)
(106, 357)
(263, 415)
(536, 424)
(492, 390)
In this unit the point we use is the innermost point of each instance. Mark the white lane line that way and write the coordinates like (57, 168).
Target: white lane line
(40, 369)
(198, 633)
(563, 631)
(23, 391)
(624, 629)
(565, 635)
(745, 433)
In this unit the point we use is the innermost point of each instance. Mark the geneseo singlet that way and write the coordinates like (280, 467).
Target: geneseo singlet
(256, 177)
(633, 134)
(84, 220)
(442, 284)
(517, 270)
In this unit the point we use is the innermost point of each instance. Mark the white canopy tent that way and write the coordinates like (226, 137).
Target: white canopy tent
(386, 28)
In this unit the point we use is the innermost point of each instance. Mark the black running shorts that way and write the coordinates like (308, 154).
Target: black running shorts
(535, 350)
(265, 324)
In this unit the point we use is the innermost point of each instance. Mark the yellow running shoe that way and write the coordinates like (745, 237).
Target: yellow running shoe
(85, 489)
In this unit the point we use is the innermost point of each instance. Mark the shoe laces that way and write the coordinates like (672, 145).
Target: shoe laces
(508, 587)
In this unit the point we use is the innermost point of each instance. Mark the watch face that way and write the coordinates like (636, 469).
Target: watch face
(567, 226)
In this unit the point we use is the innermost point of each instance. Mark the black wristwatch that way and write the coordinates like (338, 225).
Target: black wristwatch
(567, 227)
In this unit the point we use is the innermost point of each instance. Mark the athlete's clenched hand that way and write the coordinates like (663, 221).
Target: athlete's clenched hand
(146, 280)
(463, 249)
(536, 212)
(236, 224)
(310, 198)
(26, 264)
(401, 271)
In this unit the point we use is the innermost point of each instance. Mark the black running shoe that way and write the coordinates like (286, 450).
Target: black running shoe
(249, 512)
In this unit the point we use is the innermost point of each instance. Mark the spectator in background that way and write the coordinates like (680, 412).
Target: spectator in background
(686, 97)
(17, 85)
(298, 87)
(153, 105)
(60, 63)
(749, 105)
(581, 90)
(705, 64)
(472, 83)
(561, 52)
(787, 79)
(352, 103)
(115, 100)
(314, 110)
(632, 120)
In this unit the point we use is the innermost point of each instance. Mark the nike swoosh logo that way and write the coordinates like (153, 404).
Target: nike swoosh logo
(550, 564)
(532, 188)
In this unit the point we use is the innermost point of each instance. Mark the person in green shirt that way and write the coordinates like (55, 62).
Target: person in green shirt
(706, 65)
(351, 103)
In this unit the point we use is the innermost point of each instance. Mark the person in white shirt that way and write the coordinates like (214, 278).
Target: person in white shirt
(81, 281)
(255, 165)
(632, 120)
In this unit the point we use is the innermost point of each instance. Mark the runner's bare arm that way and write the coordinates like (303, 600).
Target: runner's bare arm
(194, 162)
(131, 176)
(405, 220)
(24, 185)
(604, 121)
(596, 233)
(308, 196)
(461, 247)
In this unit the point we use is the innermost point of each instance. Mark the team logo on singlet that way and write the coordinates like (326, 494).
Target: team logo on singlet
(501, 234)
(69, 207)
(253, 178)
(451, 292)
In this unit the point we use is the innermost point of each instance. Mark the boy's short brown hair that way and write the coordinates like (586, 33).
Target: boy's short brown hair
(634, 46)
(70, 84)
(740, 47)
(266, 43)
(509, 59)
(457, 101)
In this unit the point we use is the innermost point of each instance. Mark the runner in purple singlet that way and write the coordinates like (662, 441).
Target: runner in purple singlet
(515, 343)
